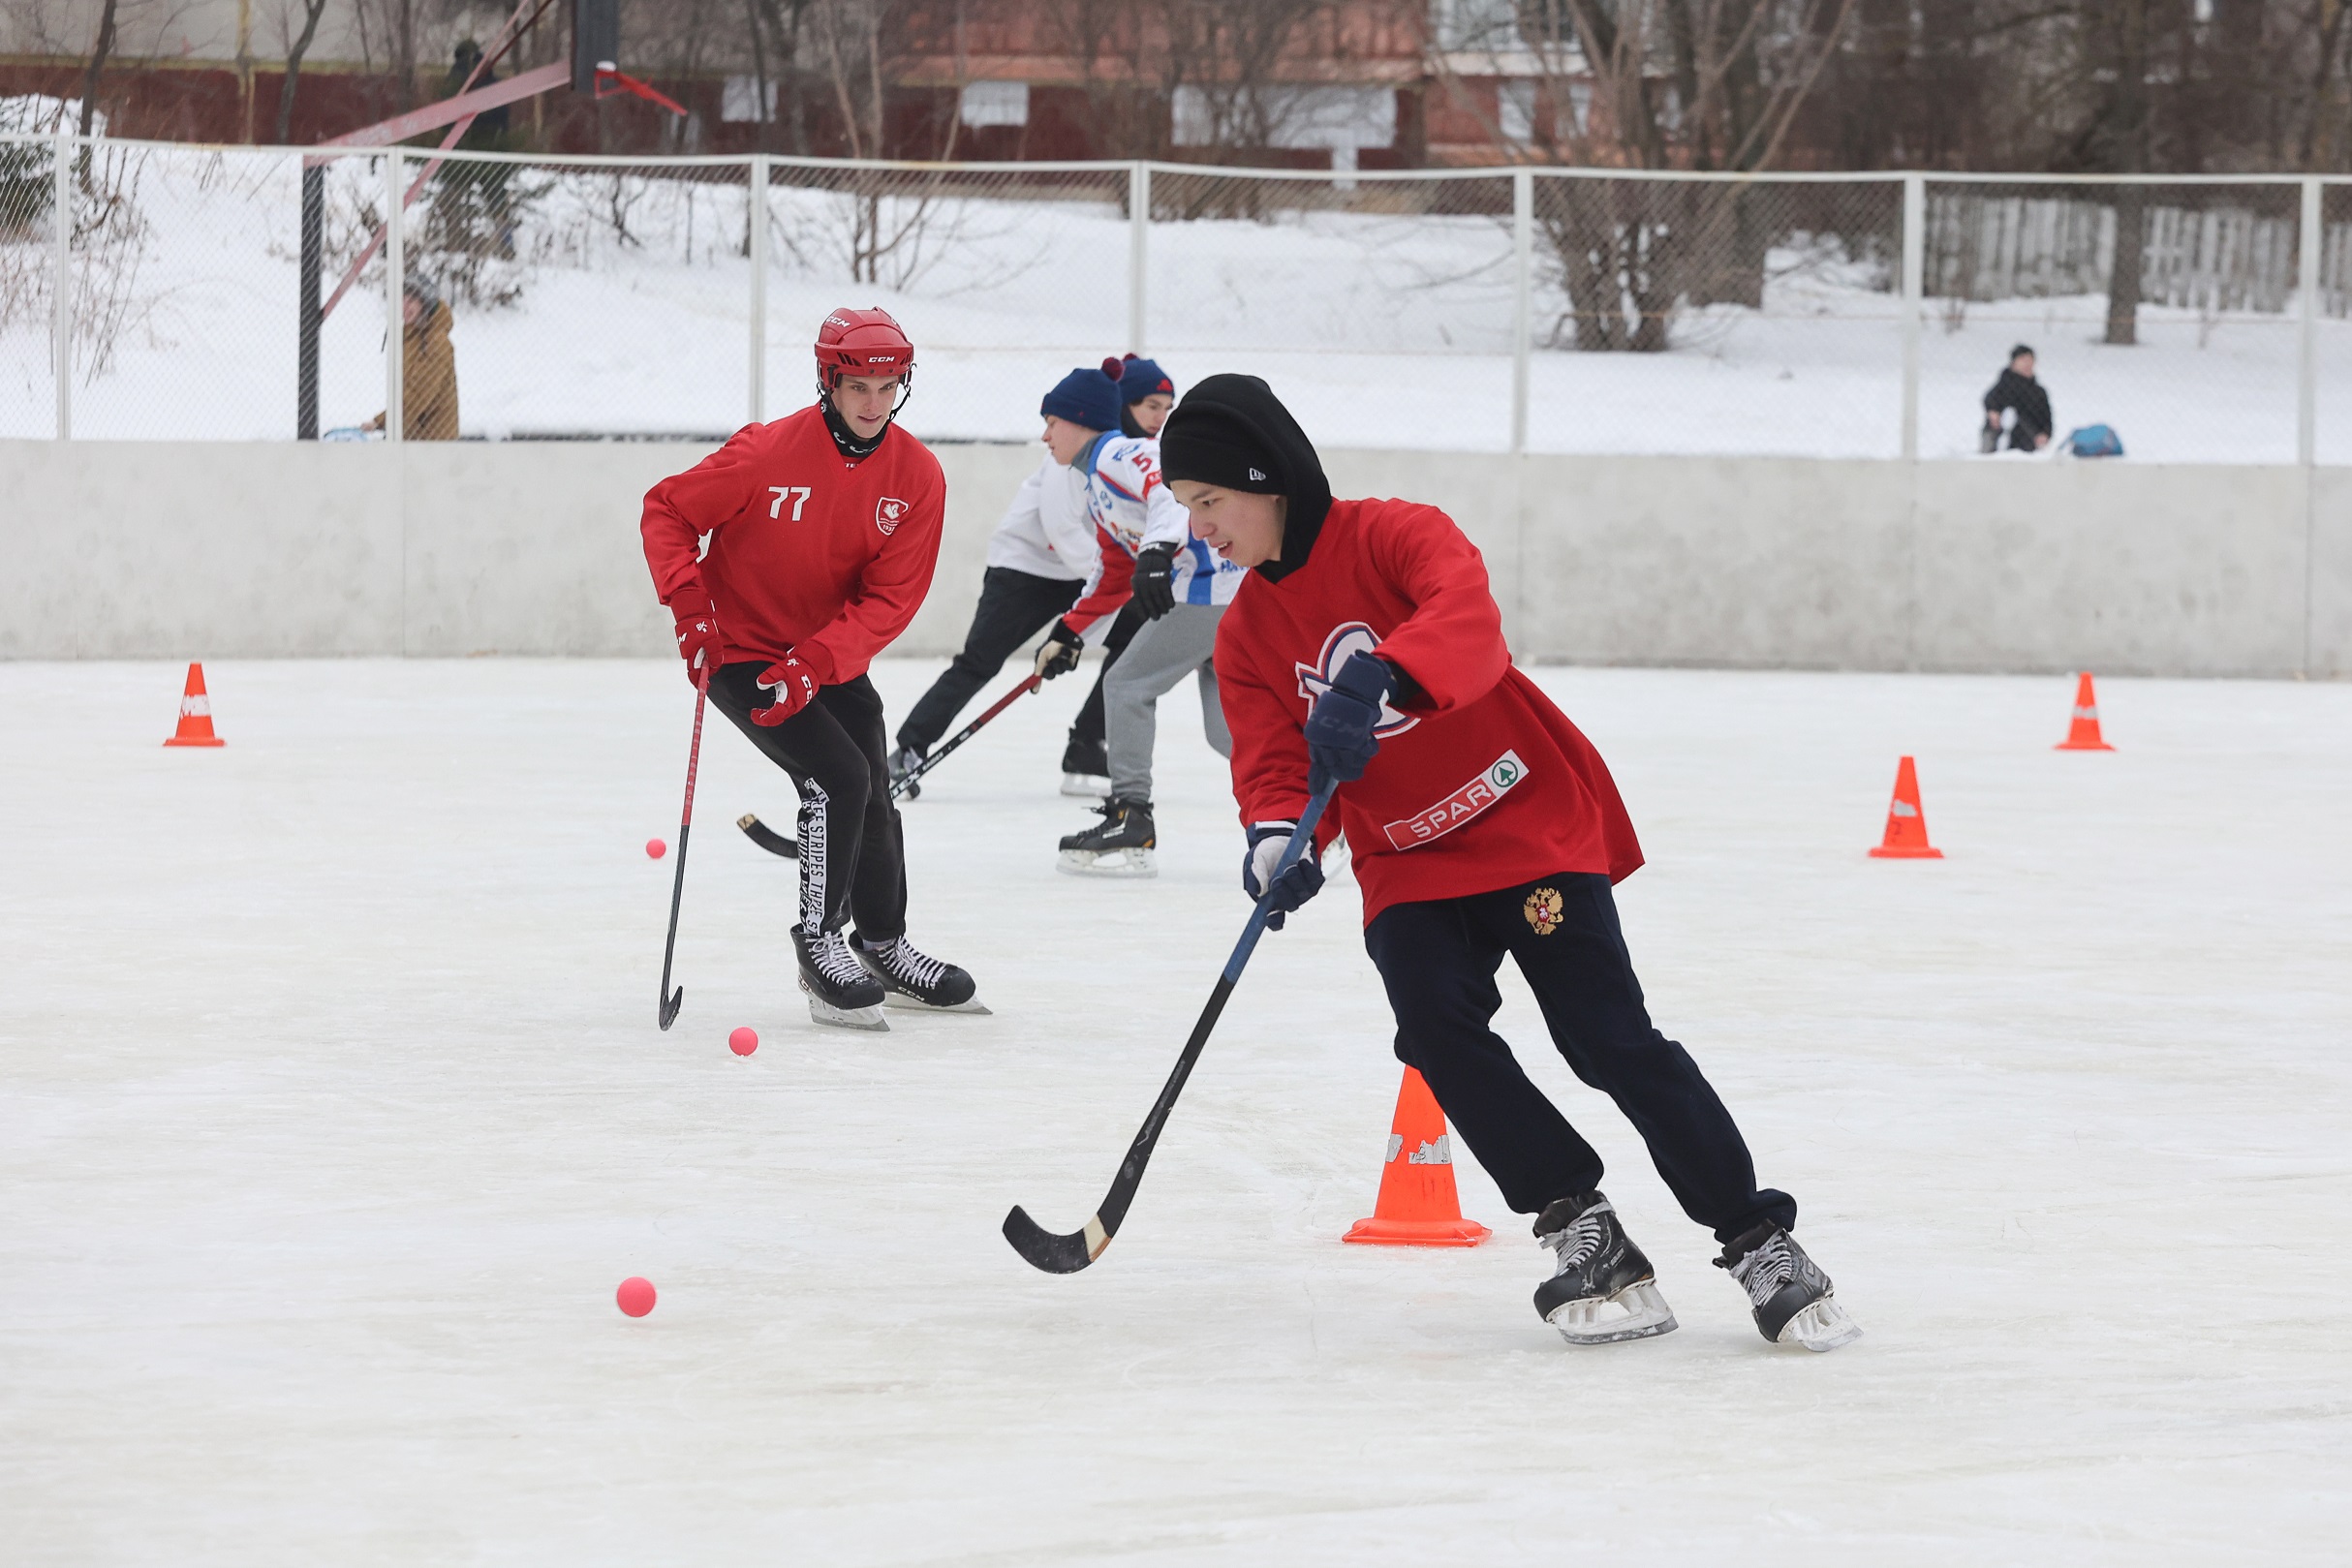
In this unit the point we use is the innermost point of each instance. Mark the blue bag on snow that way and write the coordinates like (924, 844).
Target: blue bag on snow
(2094, 441)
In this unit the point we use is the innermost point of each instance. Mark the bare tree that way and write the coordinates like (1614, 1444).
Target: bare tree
(103, 47)
(298, 47)
(1654, 85)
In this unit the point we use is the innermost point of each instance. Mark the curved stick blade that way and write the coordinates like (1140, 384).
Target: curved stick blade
(766, 837)
(1053, 1254)
(671, 1005)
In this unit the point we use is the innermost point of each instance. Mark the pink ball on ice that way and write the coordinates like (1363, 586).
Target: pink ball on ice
(743, 1043)
(635, 1296)
(655, 848)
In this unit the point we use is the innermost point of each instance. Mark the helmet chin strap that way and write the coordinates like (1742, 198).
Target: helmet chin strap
(851, 443)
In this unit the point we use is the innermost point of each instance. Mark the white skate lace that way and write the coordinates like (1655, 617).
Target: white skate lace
(1583, 1238)
(834, 961)
(905, 963)
(1767, 1269)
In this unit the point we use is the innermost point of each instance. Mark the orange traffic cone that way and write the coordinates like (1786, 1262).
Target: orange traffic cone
(2082, 734)
(1418, 1206)
(1906, 825)
(195, 714)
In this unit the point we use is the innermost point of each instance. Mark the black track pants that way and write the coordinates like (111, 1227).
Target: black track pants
(1090, 724)
(853, 865)
(1438, 961)
(1014, 607)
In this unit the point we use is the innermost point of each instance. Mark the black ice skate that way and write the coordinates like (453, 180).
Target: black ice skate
(1086, 768)
(1602, 1289)
(914, 978)
(902, 761)
(839, 990)
(1795, 1302)
(1121, 844)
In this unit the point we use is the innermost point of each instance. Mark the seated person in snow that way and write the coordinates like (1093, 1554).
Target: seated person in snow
(2017, 392)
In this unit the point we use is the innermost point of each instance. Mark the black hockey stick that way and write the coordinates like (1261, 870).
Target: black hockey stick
(775, 844)
(1067, 1254)
(672, 1001)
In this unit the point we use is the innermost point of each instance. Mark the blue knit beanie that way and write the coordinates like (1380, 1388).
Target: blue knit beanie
(1087, 397)
(1143, 378)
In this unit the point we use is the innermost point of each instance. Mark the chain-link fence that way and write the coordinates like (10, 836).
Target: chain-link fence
(1716, 316)
(1543, 310)
(2168, 312)
(1004, 277)
(1380, 308)
(2329, 404)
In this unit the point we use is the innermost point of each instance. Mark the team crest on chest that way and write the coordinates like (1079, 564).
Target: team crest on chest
(888, 512)
(1543, 908)
(1345, 643)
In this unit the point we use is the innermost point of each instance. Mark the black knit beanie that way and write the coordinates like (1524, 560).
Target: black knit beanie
(1232, 432)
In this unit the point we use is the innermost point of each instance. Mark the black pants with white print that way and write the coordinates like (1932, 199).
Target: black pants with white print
(1438, 958)
(853, 862)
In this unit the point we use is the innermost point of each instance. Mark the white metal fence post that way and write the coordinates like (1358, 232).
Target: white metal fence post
(1138, 251)
(2307, 392)
(61, 304)
(754, 197)
(1914, 299)
(394, 266)
(1523, 298)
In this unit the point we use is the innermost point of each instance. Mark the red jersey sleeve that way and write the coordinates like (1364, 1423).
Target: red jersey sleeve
(1452, 643)
(1109, 589)
(889, 590)
(683, 508)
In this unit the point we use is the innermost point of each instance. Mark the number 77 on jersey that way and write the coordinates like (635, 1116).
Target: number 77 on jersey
(799, 494)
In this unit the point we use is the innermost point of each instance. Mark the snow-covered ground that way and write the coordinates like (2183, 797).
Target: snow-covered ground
(337, 1111)
(1381, 330)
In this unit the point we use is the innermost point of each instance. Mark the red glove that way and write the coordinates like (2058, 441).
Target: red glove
(699, 641)
(794, 682)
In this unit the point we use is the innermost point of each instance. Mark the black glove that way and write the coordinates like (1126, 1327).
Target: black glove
(1156, 580)
(1340, 743)
(1294, 887)
(1058, 654)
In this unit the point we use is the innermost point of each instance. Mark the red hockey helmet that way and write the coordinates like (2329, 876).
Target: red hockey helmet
(862, 343)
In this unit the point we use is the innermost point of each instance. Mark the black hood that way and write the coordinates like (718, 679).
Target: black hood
(1232, 432)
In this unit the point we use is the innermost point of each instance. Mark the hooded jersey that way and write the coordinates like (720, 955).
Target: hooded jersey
(809, 553)
(1130, 508)
(1046, 532)
(1480, 782)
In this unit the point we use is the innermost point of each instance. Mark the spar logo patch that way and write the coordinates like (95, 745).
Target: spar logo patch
(1500, 777)
(888, 512)
(1345, 643)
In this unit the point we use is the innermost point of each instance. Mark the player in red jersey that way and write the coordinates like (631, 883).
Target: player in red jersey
(824, 527)
(1368, 651)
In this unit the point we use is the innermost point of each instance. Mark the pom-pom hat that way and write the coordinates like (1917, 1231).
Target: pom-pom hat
(1142, 378)
(1087, 397)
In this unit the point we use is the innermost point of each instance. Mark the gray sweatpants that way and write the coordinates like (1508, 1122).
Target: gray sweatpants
(1165, 651)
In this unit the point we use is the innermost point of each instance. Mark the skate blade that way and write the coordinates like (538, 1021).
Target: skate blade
(1086, 785)
(1108, 863)
(1639, 1312)
(899, 1000)
(823, 1011)
(1823, 1326)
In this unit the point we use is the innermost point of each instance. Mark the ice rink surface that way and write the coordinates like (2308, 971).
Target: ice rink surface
(335, 1110)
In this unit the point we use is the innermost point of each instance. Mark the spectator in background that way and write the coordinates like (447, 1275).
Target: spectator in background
(2017, 390)
(488, 132)
(428, 366)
